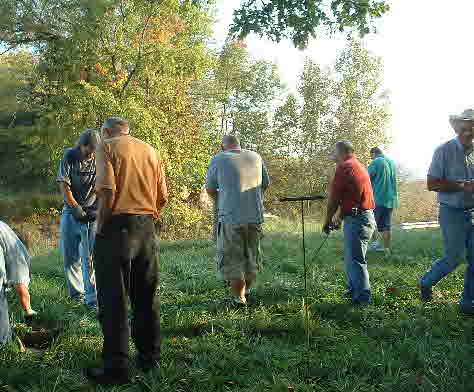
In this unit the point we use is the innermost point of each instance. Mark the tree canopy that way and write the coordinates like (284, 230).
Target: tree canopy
(152, 63)
(298, 20)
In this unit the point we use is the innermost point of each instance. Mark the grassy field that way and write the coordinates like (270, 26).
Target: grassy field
(396, 344)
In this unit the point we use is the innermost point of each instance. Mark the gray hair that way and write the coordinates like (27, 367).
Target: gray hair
(344, 147)
(90, 137)
(116, 123)
(230, 140)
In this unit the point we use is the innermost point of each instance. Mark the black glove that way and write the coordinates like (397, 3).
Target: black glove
(327, 228)
(78, 213)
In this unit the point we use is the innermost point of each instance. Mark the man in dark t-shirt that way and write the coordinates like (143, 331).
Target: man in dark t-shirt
(76, 178)
(351, 194)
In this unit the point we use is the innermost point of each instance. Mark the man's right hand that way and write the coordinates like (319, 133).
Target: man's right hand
(468, 187)
(327, 228)
(78, 213)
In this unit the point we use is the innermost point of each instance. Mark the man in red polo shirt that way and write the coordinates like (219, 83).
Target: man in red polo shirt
(351, 193)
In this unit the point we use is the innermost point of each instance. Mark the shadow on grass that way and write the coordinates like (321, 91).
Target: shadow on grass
(42, 266)
(176, 246)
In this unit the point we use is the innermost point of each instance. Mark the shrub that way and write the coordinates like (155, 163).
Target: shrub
(30, 207)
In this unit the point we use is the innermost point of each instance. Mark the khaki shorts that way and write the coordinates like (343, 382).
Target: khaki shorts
(238, 251)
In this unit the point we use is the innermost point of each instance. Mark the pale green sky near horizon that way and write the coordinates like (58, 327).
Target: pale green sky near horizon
(426, 51)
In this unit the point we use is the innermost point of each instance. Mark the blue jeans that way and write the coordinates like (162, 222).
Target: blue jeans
(77, 243)
(458, 235)
(357, 233)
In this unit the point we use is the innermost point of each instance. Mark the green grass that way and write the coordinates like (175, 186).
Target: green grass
(397, 344)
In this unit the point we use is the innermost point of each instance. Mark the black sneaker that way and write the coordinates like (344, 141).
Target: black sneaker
(426, 293)
(92, 306)
(361, 304)
(108, 377)
(250, 298)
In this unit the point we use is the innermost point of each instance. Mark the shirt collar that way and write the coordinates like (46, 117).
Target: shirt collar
(460, 145)
(78, 155)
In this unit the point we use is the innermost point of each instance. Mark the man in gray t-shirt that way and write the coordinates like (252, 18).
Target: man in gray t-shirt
(239, 178)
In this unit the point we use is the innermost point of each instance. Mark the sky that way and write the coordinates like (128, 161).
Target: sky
(426, 47)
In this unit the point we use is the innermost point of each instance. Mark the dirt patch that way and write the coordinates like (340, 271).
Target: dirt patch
(42, 233)
(40, 339)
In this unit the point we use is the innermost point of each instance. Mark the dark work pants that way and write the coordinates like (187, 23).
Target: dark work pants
(127, 265)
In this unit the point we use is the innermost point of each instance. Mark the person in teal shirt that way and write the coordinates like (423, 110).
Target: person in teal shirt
(383, 175)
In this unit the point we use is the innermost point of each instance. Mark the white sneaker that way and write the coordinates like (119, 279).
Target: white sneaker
(240, 300)
(375, 246)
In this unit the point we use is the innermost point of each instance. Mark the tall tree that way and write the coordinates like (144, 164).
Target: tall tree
(286, 127)
(362, 112)
(245, 91)
(299, 20)
(137, 59)
(345, 101)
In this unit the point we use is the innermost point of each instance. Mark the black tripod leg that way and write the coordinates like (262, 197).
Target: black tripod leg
(303, 245)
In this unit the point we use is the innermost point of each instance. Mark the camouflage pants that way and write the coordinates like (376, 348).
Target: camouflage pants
(238, 251)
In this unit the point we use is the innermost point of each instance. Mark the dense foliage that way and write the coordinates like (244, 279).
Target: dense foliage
(151, 62)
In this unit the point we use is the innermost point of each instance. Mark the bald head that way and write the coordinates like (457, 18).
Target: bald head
(344, 147)
(342, 150)
(229, 142)
(114, 126)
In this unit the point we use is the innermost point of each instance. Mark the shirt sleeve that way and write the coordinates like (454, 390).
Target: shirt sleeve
(3, 270)
(211, 177)
(16, 259)
(372, 169)
(265, 177)
(437, 164)
(64, 172)
(162, 191)
(105, 175)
